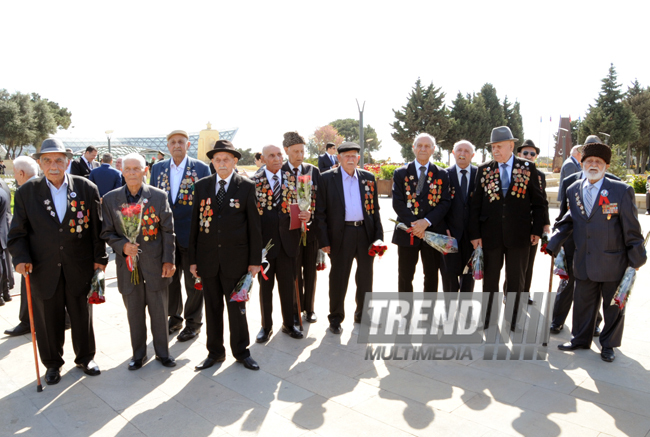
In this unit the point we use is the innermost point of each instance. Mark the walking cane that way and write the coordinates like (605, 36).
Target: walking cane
(298, 304)
(28, 289)
(548, 301)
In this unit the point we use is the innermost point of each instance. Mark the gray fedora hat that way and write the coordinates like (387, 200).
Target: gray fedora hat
(501, 133)
(52, 145)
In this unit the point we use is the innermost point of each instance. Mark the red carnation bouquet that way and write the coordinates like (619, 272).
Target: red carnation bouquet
(377, 248)
(475, 264)
(97, 287)
(560, 265)
(131, 219)
(545, 238)
(303, 186)
(321, 263)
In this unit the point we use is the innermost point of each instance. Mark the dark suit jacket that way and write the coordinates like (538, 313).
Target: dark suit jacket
(433, 203)
(569, 167)
(156, 249)
(457, 218)
(5, 214)
(604, 247)
(182, 205)
(106, 178)
(233, 239)
(78, 167)
(324, 162)
(507, 222)
(330, 209)
(37, 237)
(276, 220)
(312, 226)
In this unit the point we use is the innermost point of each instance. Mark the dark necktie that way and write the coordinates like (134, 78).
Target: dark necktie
(418, 190)
(332, 159)
(295, 170)
(505, 181)
(463, 185)
(276, 190)
(221, 194)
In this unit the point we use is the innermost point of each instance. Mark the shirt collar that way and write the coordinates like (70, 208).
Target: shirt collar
(418, 165)
(228, 179)
(270, 175)
(52, 187)
(292, 167)
(347, 176)
(598, 184)
(173, 166)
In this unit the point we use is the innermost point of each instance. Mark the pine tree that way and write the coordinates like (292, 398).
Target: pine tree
(513, 119)
(496, 117)
(424, 111)
(638, 100)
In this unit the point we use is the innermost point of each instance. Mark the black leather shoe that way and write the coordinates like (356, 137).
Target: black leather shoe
(249, 363)
(188, 334)
(311, 317)
(597, 331)
(556, 329)
(357, 319)
(568, 346)
(17, 330)
(292, 331)
(53, 375)
(607, 354)
(90, 368)
(136, 364)
(264, 335)
(296, 319)
(7, 297)
(168, 361)
(336, 328)
(530, 301)
(174, 327)
(209, 362)
(2, 301)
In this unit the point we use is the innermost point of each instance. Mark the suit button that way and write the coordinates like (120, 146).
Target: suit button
(218, 231)
(59, 264)
(60, 230)
(219, 245)
(61, 247)
(218, 216)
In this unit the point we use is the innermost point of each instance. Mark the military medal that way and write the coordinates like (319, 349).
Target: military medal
(73, 194)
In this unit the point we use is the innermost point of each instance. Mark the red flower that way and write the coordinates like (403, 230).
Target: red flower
(137, 208)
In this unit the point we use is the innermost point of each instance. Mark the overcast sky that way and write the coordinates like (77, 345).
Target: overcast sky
(147, 68)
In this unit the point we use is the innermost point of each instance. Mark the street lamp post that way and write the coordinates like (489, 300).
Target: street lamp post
(362, 143)
(108, 135)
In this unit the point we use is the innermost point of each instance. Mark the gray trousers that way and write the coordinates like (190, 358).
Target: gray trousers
(156, 303)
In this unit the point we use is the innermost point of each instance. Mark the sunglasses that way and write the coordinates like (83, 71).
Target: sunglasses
(526, 153)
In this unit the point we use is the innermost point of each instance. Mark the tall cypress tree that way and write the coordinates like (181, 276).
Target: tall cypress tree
(513, 119)
(493, 106)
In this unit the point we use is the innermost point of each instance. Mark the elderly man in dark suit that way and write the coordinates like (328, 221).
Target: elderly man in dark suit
(83, 165)
(462, 177)
(276, 190)
(571, 165)
(328, 160)
(294, 147)
(54, 237)
(225, 243)
(155, 259)
(5, 268)
(506, 216)
(421, 200)
(106, 177)
(603, 219)
(348, 218)
(178, 176)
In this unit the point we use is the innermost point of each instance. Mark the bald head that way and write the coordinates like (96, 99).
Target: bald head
(272, 157)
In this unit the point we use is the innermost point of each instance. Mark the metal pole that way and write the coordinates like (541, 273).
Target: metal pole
(109, 144)
(362, 143)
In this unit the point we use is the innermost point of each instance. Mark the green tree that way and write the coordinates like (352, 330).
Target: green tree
(424, 111)
(638, 100)
(16, 122)
(470, 121)
(49, 117)
(493, 106)
(575, 131)
(513, 119)
(348, 128)
(247, 157)
(323, 135)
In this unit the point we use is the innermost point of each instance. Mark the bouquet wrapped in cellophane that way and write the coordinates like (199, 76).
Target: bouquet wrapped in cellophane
(442, 243)
(131, 219)
(265, 252)
(544, 242)
(560, 265)
(303, 185)
(97, 287)
(475, 264)
(321, 259)
(624, 288)
(377, 248)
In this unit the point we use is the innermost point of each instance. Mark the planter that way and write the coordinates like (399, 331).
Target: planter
(385, 187)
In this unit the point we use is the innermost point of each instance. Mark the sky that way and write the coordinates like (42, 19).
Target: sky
(143, 68)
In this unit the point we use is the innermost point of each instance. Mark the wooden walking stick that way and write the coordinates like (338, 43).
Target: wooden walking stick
(548, 301)
(28, 292)
(298, 304)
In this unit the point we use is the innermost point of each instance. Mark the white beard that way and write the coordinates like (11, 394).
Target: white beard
(595, 177)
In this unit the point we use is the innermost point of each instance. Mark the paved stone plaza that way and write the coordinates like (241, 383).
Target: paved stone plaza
(323, 386)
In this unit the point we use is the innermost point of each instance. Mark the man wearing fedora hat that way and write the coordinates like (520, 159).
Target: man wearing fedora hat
(225, 243)
(54, 237)
(602, 217)
(506, 216)
(178, 176)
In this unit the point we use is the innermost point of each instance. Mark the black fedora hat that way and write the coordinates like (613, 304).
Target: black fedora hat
(528, 143)
(501, 133)
(223, 146)
(52, 145)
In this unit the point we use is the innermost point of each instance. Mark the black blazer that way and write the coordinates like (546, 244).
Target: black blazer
(275, 218)
(78, 167)
(457, 218)
(330, 209)
(507, 222)
(306, 168)
(433, 203)
(5, 214)
(324, 162)
(37, 237)
(233, 239)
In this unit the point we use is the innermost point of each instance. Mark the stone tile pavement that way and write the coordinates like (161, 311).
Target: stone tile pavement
(323, 385)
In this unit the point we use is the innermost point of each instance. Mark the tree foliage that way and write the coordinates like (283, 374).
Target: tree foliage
(324, 135)
(513, 119)
(348, 128)
(638, 100)
(470, 121)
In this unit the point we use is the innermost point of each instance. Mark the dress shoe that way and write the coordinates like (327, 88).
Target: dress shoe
(555, 329)
(357, 319)
(249, 363)
(188, 334)
(167, 361)
(568, 346)
(296, 319)
(209, 362)
(7, 297)
(336, 328)
(292, 331)
(53, 375)
(18, 330)
(597, 331)
(530, 301)
(90, 368)
(264, 335)
(136, 364)
(174, 327)
(607, 354)
(311, 317)
(2, 301)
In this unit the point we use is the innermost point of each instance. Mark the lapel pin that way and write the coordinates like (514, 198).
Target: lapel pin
(73, 194)
(604, 193)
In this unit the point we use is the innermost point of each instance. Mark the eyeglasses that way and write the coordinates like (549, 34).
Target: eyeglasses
(526, 153)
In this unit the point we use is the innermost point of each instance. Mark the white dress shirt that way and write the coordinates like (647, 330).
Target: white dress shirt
(176, 176)
(468, 171)
(225, 187)
(60, 198)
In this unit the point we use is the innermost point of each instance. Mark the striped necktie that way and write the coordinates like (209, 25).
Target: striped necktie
(589, 199)
(276, 190)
